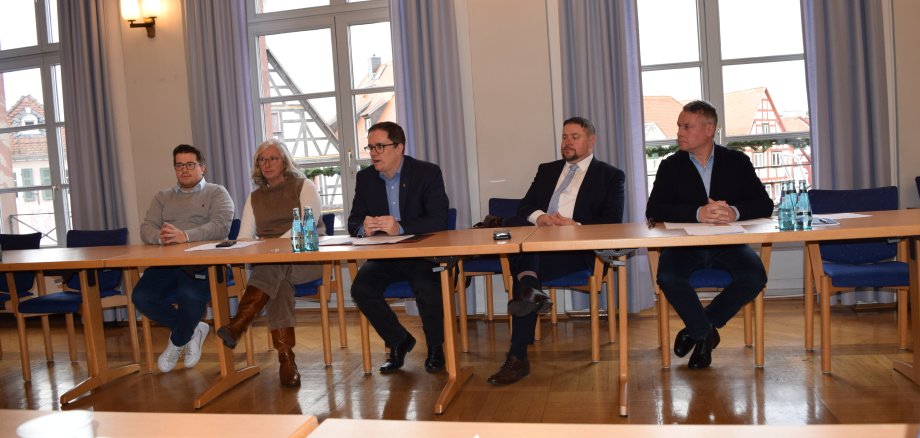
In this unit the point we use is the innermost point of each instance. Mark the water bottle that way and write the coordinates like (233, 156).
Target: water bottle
(802, 209)
(297, 232)
(311, 237)
(786, 208)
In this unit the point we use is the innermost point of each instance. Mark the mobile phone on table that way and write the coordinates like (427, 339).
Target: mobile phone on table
(226, 244)
(501, 235)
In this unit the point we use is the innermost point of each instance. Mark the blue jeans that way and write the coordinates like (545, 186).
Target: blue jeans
(740, 261)
(160, 287)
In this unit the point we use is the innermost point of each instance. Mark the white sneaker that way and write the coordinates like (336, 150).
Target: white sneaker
(193, 351)
(169, 357)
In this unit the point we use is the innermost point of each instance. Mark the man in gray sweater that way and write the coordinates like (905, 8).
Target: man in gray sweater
(192, 210)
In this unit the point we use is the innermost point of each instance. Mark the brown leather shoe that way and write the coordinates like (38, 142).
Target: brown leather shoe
(283, 341)
(252, 302)
(512, 370)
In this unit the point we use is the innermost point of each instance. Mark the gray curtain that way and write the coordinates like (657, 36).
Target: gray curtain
(219, 92)
(429, 102)
(848, 105)
(601, 80)
(92, 154)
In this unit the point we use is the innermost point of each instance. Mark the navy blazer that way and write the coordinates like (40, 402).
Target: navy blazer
(679, 191)
(423, 201)
(600, 197)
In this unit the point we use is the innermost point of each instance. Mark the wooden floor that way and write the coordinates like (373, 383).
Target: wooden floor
(564, 386)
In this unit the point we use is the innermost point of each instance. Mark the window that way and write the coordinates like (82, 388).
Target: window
(28, 196)
(325, 75)
(753, 74)
(32, 131)
(45, 173)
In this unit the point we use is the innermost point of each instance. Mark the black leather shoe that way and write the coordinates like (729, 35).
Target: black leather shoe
(511, 371)
(532, 300)
(702, 351)
(683, 343)
(435, 360)
(397, 355)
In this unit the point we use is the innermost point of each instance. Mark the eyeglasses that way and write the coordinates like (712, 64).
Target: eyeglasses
(188, 166)
(263, 160)
(378, 148)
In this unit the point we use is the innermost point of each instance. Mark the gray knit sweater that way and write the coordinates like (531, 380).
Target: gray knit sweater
(203, 215)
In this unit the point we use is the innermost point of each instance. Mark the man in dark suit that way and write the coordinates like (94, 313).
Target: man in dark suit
(399, 195)
(705, 182)
(576, 190)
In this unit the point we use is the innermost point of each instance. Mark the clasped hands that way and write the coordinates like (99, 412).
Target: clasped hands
(169, 234)
(717, 212)
(550, 219)
(384, 224)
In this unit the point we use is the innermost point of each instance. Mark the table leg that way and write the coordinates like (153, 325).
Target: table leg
(455, 376)
(911, 369)
(324, 294)
(624, 339)
(766, 250)
(229, 375)
(97, 362)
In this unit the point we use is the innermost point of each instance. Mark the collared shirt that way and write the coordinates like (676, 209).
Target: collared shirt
(392, 188)
(197, 188)
(706, 175)
(570, 194)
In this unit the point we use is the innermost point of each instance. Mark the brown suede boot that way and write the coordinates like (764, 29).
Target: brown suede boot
(252, 302)
(283, 340)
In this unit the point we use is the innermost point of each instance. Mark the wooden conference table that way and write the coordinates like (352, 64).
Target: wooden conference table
(336, 428)
(83, 260)
(442, 244)
(898, 223)
(148, 424)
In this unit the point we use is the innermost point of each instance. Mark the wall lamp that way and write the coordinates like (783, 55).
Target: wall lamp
(144, 11)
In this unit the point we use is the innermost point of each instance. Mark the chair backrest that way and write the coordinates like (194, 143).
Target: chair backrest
(234, 230)
(917, 180)
(13, 242)
(452, 219)
(88, 238)
(843, 201)
(503, 207)
(329, 222)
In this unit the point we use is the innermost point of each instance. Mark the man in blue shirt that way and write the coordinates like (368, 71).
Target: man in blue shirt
(399, 195)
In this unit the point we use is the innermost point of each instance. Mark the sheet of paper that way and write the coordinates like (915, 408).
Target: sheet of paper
(688, 225)
(213, 245)
(712, 230)
(335, 240)
(845, 215)
(378, 240)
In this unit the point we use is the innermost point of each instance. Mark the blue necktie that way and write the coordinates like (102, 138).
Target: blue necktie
(554, 201)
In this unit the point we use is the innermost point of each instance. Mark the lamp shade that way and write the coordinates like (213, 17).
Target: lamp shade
(130, 10)
(151, 8)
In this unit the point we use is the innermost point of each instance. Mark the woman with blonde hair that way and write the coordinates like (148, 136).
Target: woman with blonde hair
(280, 187)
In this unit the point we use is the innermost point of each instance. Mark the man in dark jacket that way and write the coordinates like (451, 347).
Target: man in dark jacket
(399, 195)
(576, 190)
(707, 183)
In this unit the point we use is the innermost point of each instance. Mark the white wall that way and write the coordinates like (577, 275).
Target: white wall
(155, 99)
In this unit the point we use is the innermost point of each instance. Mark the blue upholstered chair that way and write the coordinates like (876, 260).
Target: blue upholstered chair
(488, 266)
(23, 282)
(858, 263)
(70, 300)
(917, 180)
(399, 290)
(703, 280)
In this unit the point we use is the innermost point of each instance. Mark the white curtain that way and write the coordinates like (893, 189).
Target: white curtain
(219, 92)
(601, 81)
(429, 100)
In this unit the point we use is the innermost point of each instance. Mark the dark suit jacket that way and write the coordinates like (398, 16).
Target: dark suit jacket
(599, 199)
(679, 191)
(423, 202)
